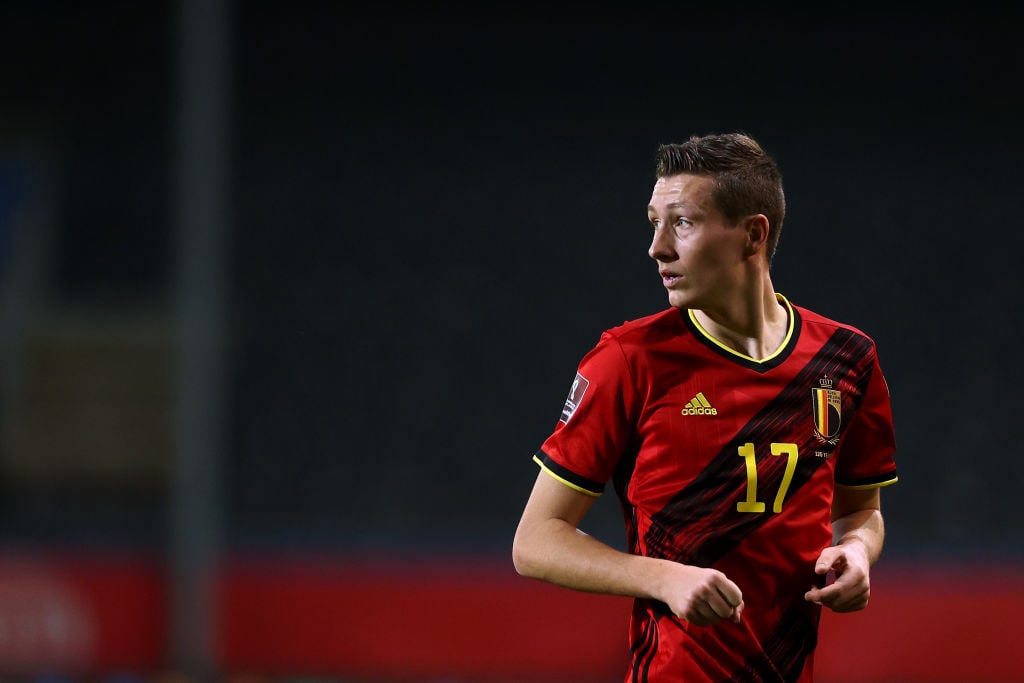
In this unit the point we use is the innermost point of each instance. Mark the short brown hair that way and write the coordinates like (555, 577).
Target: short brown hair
(746, 179)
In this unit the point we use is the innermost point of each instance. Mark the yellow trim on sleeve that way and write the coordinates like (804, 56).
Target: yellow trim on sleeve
(565, 481)
(879, 485)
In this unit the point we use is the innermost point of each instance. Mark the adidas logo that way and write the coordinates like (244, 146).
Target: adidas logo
(699, 405)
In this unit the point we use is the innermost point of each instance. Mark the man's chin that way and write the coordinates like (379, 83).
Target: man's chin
(679, 300)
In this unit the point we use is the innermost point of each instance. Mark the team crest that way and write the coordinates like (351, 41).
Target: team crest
(827, 407)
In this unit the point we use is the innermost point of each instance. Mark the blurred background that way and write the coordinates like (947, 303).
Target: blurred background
(291, 292)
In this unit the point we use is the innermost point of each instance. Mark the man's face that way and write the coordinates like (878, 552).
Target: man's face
(698, 253)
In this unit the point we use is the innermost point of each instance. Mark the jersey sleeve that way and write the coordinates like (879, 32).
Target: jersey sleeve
(597, 421)
(866, 457)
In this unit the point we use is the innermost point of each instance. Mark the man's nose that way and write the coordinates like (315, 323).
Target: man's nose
(661, 248)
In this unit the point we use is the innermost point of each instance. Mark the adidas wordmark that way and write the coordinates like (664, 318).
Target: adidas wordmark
(699, 405)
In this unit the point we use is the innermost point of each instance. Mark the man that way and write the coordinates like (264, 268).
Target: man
(746, 437)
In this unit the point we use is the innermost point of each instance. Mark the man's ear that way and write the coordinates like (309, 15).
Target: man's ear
(756, 228)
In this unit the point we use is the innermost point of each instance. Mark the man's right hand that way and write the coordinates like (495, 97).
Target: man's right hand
(701, 596)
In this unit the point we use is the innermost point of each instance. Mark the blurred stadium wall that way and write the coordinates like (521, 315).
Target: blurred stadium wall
(391, 233)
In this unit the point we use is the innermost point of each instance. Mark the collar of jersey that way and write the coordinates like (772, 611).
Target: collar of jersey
(768, 362)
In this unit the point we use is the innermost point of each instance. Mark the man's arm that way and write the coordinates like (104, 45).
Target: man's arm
(549, 546)
(858, 534)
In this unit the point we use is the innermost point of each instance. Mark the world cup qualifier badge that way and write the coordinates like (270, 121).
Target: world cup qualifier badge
(572, 402)
(827, 408)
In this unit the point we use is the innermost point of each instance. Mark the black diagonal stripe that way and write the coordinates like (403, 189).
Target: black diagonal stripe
(700, 523)
(643, 654)
(863, 379)
(784, 651)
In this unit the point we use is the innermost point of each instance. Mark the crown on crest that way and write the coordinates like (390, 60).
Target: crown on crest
(826, 382)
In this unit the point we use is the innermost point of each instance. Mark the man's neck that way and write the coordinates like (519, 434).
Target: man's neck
(755, 327)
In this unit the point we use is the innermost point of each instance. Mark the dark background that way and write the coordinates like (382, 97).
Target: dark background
(434, 213)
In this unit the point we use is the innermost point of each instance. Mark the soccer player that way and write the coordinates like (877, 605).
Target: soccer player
(747, 439)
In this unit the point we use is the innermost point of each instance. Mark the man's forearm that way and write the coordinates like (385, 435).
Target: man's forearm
(862, 526)
(557, 552)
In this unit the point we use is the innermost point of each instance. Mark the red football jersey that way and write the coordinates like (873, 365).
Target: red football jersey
(720, 460)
